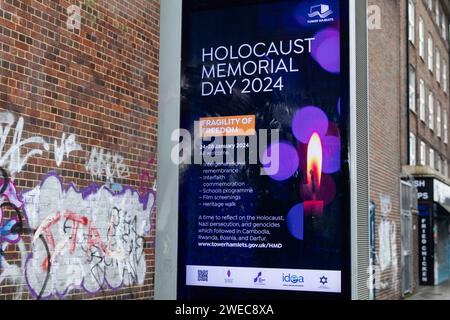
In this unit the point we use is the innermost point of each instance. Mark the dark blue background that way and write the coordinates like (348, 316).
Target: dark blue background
(326, 244)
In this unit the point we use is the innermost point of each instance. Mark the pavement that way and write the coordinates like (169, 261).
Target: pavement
(440, 292)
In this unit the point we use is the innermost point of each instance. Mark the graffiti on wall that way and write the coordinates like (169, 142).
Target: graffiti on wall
(95, 237)
(90, 239)
(21, 150)
(104, 163)
(100, 163)
(147, 181)
(387, 237)
(14, 159)
(11, 243)
(64, 148)
(11, 273)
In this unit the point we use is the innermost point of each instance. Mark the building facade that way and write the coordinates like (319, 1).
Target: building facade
(409, 114)
(428, 152)
(78, 127)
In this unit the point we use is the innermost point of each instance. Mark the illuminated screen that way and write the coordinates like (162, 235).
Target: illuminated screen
(264, 190)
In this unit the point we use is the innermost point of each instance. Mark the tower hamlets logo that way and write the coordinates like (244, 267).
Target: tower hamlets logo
(322, 11)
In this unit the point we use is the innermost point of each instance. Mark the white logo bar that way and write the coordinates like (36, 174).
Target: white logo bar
(264, 278)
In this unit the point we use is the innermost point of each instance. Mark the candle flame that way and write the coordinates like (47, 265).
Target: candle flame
(314, 165)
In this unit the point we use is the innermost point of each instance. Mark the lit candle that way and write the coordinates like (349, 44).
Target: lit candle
(314, 175)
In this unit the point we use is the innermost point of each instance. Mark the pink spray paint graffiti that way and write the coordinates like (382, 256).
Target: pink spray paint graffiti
(147, 182)
(8, 199)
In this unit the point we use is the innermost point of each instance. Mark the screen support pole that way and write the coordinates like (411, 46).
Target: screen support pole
(359, 151)
(167, 178)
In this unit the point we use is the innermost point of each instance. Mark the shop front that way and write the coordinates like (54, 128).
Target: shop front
(433, 229)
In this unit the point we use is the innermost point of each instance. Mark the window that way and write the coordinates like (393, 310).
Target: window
(439, 164)
(431, 111)
(412, 149)
(430, 4)
(438, 119)
(411, 21)
(412, 88)
(444, 76)
(445, 126)
(423, 151)
(422, 100)
(431, 158)
(438, 65)
(444, 27)
(445, 168)
(430, 53)
(438, 12)
(421, 38)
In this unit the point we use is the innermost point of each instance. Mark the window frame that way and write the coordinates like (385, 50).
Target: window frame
(431, 158)
(423, 153)
(431, 110)
(430, 53)
(437, 12)
(445, 125)
(412, 149)
(422, 101)
(438, 120)
(421, 38)
(438, 65)
(445, 75)
(412, 88)
(411, 21)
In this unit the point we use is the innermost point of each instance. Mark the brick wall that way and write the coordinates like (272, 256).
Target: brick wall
(387, 92)
(78, 108)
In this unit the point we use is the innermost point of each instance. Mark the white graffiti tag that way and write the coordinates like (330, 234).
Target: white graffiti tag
(103, 163)
(65, 148)
(13, 158)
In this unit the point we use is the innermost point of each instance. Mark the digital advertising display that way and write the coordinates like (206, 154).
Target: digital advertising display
(264, 185)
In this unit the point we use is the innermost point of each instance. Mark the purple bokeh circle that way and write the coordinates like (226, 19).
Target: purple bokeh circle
(294, 221)
(308, 120)
(326, 50)
(287, 161)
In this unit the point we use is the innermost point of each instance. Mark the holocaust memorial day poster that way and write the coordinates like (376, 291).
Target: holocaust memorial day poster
(268, 80)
